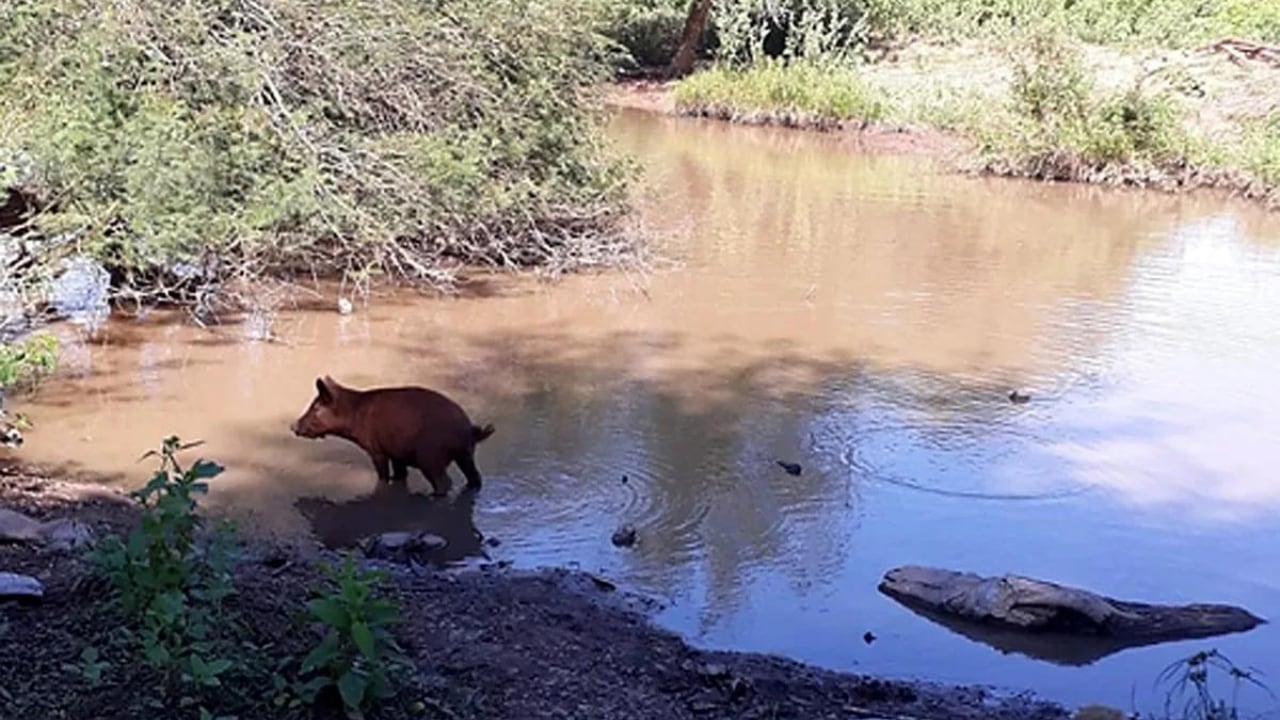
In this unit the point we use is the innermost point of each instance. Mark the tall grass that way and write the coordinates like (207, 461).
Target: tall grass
(802, 94)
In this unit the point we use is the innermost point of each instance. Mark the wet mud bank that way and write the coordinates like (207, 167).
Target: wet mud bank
(487, 642)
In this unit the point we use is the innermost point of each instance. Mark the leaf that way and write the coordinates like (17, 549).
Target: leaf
(322, 654)
(351, 686)
(329, 611)
(204, 470)
(363, 639)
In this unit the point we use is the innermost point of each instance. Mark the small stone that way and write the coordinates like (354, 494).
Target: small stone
(62, 535)
(493, 542)
(428, 541)
(790, 467)
(22, 588)
(624, 536)
(868, 637)
(393, 540)
(345, 307)
(1098, 712)
(16, 527)
(713, 671)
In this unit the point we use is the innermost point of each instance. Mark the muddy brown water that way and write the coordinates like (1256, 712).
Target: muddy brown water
(862, 315)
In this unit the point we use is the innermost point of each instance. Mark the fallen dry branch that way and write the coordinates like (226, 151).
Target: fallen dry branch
(1239, 51)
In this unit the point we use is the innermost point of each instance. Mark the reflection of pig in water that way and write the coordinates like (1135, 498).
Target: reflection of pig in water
(399, 428)
(392, 508)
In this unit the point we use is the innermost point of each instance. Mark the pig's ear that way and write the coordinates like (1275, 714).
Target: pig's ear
(322, 391)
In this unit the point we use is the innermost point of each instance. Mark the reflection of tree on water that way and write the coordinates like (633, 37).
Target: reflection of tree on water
(715, 512)
(391, 507)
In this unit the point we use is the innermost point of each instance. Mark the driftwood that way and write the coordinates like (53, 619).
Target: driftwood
(1237, 51)
(1026, 605)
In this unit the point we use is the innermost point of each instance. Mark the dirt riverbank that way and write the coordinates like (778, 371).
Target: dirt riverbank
(487, 642)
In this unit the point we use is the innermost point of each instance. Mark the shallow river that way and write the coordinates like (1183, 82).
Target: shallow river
(864, 316)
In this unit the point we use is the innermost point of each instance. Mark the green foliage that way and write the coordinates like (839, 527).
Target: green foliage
(800, 93)
(169, 585)
(26, 362)
(1057, 125)
(90, 668)
(1167, 23)
(358, 655)
(815, 30)
(365, 136)
(1261, 148)
(648, 30)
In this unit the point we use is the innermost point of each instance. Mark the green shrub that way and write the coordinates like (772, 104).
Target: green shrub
(26, 362)
(358, 655)
(169, 583)
(206, 140)
(650, 33)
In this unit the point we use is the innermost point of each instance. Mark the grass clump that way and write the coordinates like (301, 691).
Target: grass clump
(190, 145)
(803, 94)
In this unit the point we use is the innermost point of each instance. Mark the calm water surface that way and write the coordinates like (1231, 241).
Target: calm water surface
(864, 316)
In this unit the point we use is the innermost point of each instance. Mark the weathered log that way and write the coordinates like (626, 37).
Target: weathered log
(1019, 603)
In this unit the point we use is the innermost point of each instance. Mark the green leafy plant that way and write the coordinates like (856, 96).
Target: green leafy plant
(358, 654)
(90, 667)
(28, 361)
(169, 584)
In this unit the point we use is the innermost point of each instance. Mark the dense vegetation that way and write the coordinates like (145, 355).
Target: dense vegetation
(1089, 90)
(188, 145)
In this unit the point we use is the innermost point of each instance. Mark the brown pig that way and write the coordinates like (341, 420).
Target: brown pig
(399, 427)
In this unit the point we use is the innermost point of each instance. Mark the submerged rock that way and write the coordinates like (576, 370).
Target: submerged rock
(624, 536)
(790, 467)
(403, 547)
(1026, 604)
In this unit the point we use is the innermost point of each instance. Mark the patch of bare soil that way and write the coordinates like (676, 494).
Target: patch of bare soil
(488, 643)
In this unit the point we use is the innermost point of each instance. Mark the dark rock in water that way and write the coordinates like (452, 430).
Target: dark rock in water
(403, 547)
(1018, 398)
(790, 467)
(1036, 606)
(868, 637)
(624, 536)
(22, 588)
(493, 542)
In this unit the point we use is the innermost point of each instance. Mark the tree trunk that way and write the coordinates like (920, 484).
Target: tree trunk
(694, 27)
